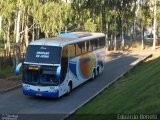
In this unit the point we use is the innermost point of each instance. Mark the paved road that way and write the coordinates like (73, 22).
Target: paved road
(14, 102)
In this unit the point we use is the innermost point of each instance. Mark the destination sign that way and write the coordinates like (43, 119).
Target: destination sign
(40, 54)
(43, 54)
(33, 68)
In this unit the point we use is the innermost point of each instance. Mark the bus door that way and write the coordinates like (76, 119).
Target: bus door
(64, 63)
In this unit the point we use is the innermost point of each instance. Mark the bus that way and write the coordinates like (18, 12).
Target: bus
(55, 66)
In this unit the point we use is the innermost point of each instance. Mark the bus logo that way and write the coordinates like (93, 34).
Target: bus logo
(44, 48)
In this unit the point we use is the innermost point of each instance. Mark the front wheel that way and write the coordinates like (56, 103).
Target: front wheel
(69, 88)
(94, 74)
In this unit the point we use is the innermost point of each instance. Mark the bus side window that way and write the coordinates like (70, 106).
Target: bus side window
(78, 49)
(72, 51)
(81, 46)
(86, 46)
(102, 42)
(65, 52)
(94, 44)
(64, 63)
(90, 45)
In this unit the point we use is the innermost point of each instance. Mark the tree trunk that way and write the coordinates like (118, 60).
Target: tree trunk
(133, 32)
(18, 54)
(33, 34)
(134, 23)
(22, 27)
(142, 35)
(65, 28)
(18, 25)
(26, 35)
(0, 64)
(17, 45)
(8, 40)
(5, 44)
(155, 25)
(15, 27)
(111, 42)
(37, 31)
(122, 37)
(0, 25)
(79, 24)
(115, 41)
(26, 27)
(107, 40)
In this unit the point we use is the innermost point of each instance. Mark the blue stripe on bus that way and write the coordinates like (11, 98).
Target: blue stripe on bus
(43, 94)
(100, 63)
(72, 68)
(58, 73)
(18, 68)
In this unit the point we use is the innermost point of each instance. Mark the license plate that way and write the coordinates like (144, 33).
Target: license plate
(38, 94)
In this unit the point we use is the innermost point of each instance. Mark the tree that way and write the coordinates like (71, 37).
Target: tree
(6, 10)
(154, 25)
(17, 35)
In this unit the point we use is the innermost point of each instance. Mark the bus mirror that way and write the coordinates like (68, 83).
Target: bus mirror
(58, 73)
(18, 68)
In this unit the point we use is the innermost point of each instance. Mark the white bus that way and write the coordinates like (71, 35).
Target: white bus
(55, 66)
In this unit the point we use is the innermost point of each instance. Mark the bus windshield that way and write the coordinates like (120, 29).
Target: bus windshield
(43, 54)
(42, 77)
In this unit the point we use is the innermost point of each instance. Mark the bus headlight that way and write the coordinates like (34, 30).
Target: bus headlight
(26, 87)
(55, 91)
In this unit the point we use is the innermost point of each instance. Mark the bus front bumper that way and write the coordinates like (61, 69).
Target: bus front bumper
(54, 94)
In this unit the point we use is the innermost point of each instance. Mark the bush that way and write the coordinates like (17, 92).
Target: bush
(6, 71)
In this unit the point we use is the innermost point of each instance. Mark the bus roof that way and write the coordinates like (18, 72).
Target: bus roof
(67, 38)
(75, 35)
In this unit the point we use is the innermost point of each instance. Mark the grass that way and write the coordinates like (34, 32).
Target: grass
(137, 92)
(7, 71)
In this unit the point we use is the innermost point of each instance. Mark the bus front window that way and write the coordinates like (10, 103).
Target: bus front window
(31, 77)
(40, 76)
(48, 79)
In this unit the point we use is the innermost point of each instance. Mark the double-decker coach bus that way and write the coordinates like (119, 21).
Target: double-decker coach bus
(55, 66)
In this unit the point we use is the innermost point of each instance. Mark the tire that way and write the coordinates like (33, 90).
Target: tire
(69, 88)
(94, 74)
(97, 72)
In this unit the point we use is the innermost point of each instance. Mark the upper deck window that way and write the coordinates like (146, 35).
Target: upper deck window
(43, 54)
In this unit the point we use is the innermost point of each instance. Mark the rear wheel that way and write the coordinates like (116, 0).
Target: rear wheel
(97, 71)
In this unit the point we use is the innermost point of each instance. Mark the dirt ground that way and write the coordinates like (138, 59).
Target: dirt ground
(15, 81)
(136, 51)
(10, 83)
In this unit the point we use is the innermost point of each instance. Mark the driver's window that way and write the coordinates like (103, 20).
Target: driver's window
(64, 63)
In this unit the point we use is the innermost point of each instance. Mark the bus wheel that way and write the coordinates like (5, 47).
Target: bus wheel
(69, 88)
(97, 71)
(94, 74)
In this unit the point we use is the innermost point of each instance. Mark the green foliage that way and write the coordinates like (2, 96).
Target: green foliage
(90, 26)
(7, 71)
(137, 92)
(55, 16)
